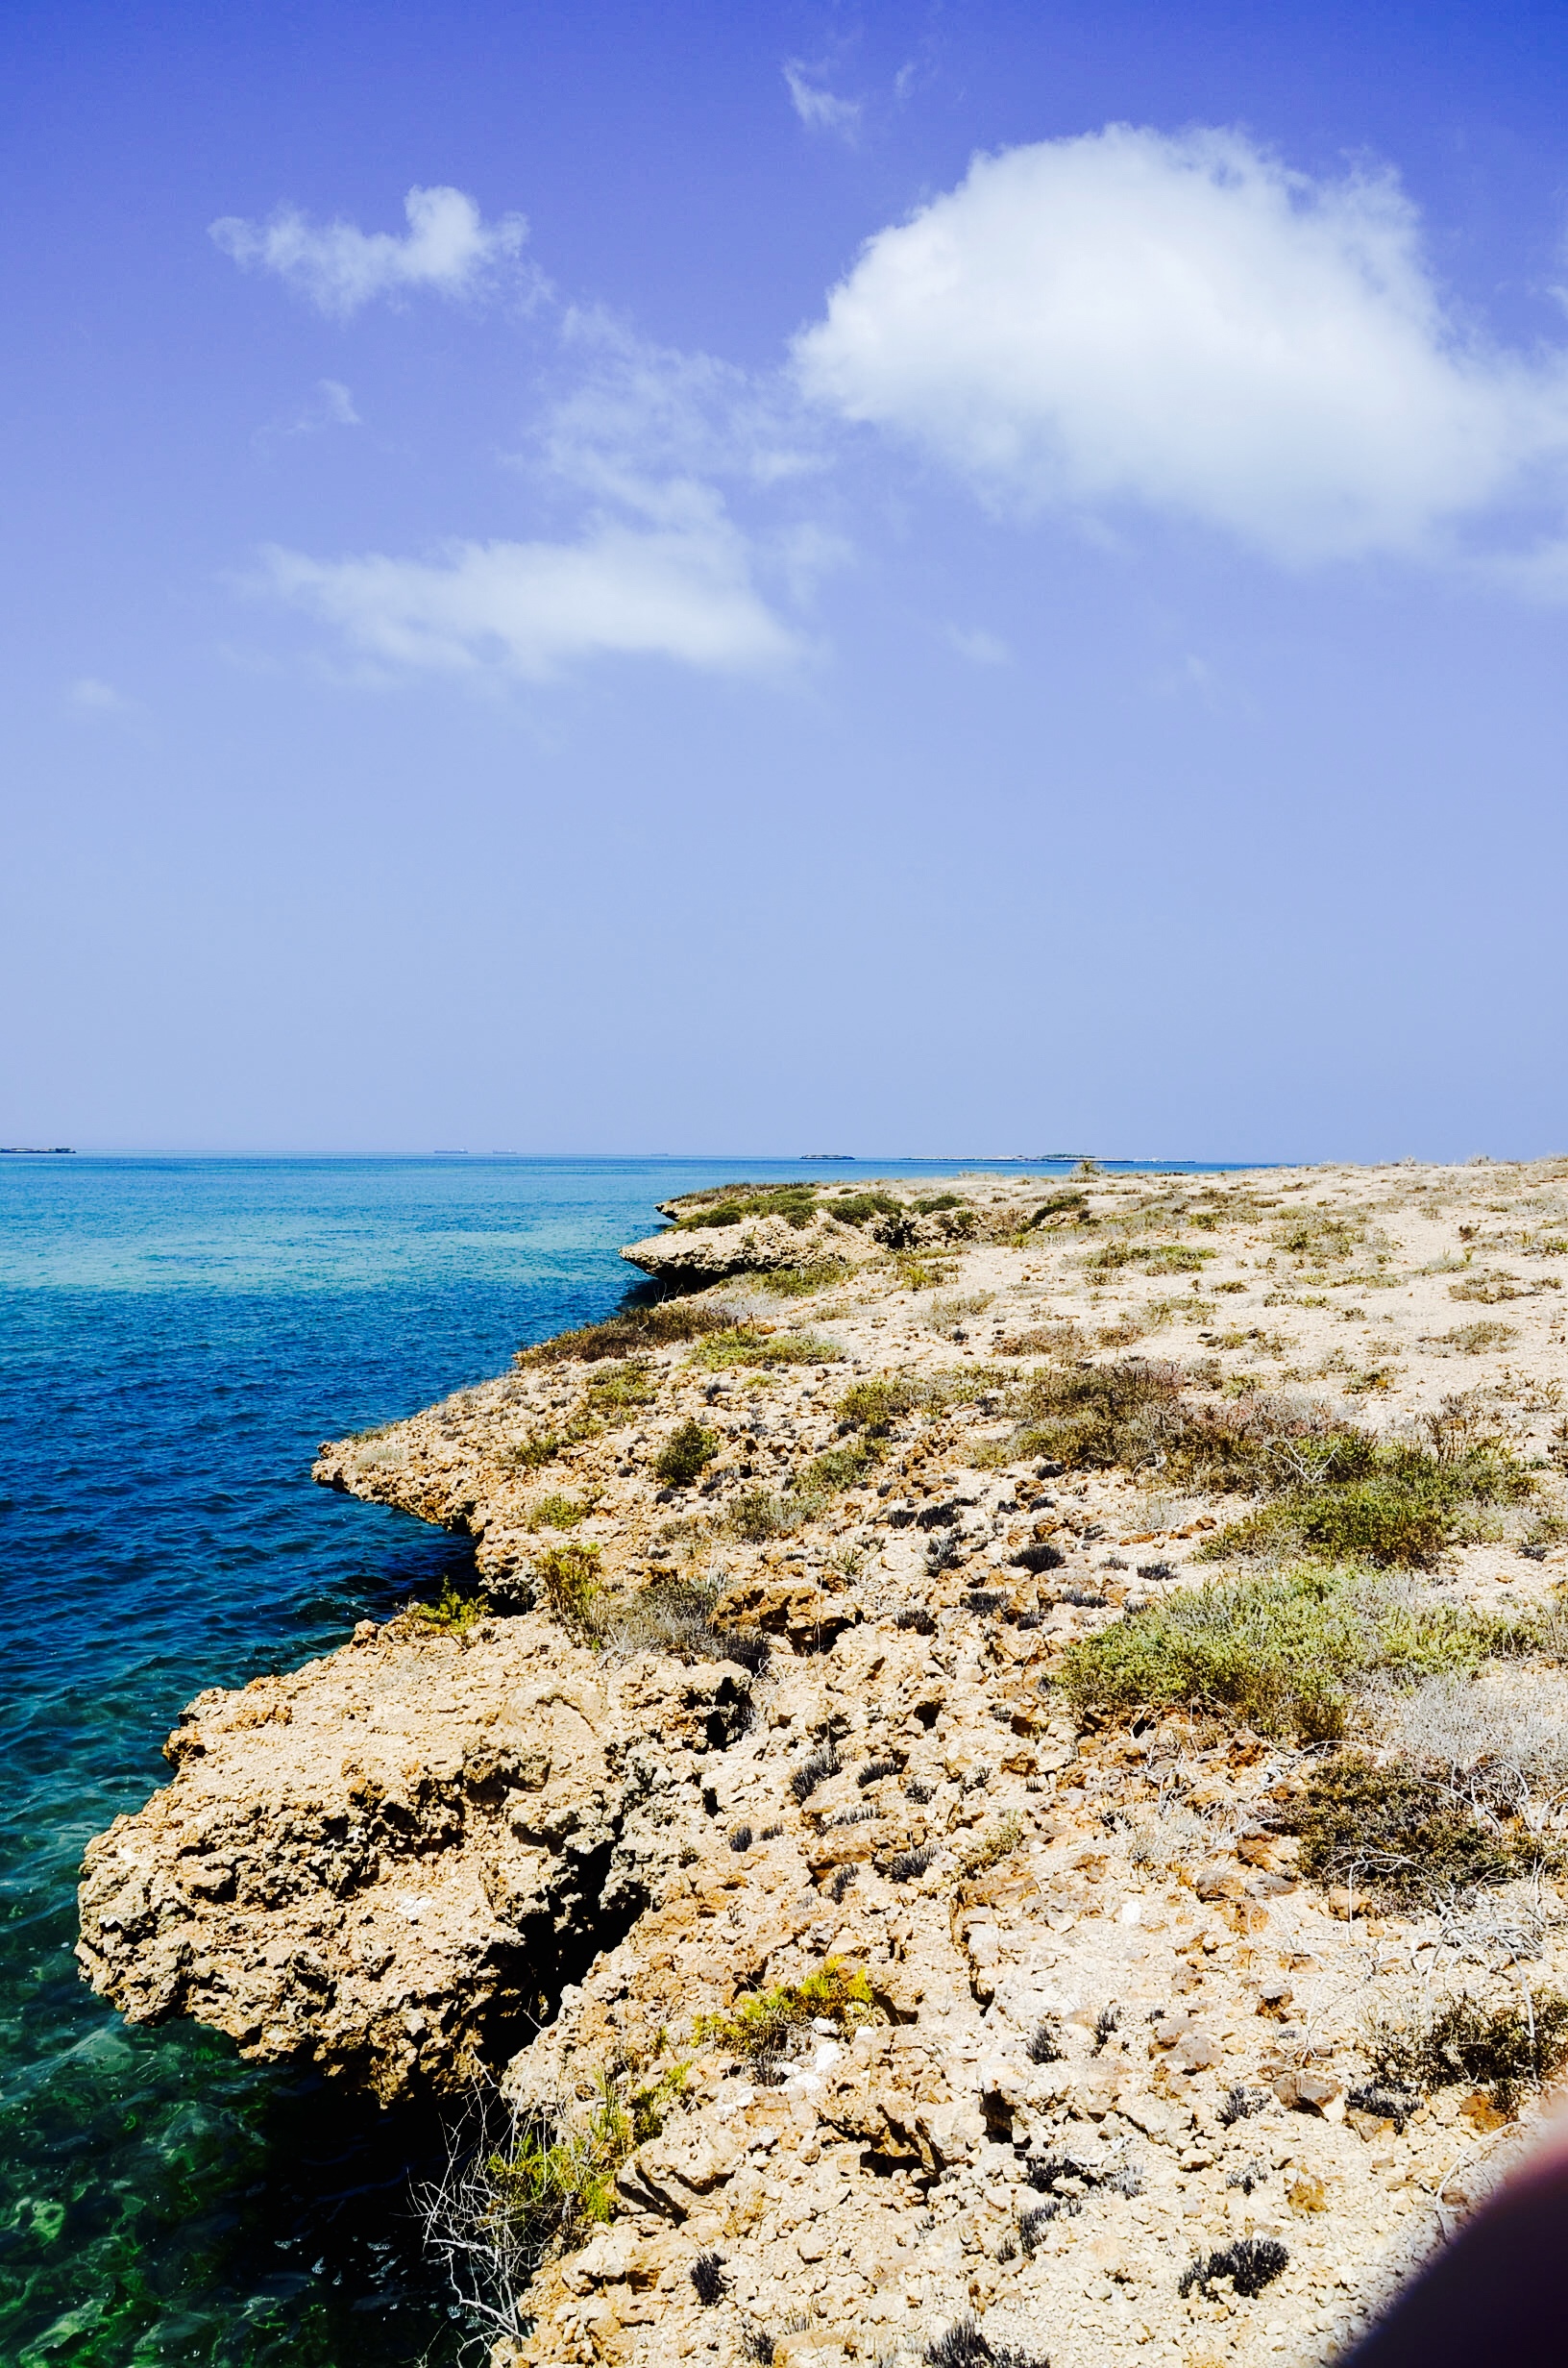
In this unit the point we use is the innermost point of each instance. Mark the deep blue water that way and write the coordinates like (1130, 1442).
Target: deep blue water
(176, 1337)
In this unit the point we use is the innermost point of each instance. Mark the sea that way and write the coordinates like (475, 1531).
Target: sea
(177, 1335)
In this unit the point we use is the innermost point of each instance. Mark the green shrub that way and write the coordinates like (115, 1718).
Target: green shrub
(1285, 1653)
(1177, 1258)
(556, 1513)
(1056, 1204)
(740, 1344)
(529, 1454)
(875, 1406)
(1401, 1836)
(756, 1514)
(657, 1325)
(686, 1451)
(634, 1382)
(801, 1282)
(840, 1468)
(763, 2026)
(450, 1611)
(1318, 1239)
(570, 1576)
(854, 1208)
(557, 2180)
(990, 1851)
(935, 1202)
(796, 1203)
(1400, 1510)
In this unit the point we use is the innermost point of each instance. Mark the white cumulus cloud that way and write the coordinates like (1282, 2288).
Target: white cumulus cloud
(1185, 324)
(680, 588)
(448, 248)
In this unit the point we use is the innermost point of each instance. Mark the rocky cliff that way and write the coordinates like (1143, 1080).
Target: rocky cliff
(884, 1822)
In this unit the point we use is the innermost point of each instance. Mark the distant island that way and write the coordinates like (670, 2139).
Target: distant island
(38, 1150)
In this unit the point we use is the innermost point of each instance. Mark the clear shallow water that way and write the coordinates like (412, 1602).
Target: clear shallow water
(176, 1337)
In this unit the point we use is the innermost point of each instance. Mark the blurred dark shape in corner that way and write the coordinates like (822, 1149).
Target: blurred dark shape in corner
(1499, 2292)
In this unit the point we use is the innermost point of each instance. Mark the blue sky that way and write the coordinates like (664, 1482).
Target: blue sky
(927, 579)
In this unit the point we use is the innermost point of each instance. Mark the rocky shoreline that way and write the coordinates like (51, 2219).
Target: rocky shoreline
(794, 1833)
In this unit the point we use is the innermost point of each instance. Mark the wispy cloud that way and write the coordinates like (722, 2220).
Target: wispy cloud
(449, 249)
(980, 648)
(680, 588)
(99, 697)
(330, 406)
(820, 110)
(632, 412)
(1184, 325)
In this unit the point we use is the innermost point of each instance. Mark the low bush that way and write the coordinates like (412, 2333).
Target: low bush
(1063, 1206)
(1475, 1339)
(991, 1849)
(732, 1204)
(755, 1514)
(450, 1611)
(674, 1616)
(1177, 1258)
(1247, 2266)
(556, 1513)
(1320, 1238)
(963, 2345)
(814, 1769)
(685, 1453)
(1404, 1508)
(800, 1282)
(945, 1313)
(637, 1328)
(855, 1208)
(1136, 1413)
(764, 2027)
(1045, 2042)
(1286, 1652)
(840, 1468)
(1395, 2105)
(633, 1381)
(875, 1406)
(532, 1452)
(923, 1273)
(1505, 2048)
(907, 1866)
(1061, 1339)
(707, 2276)
(1402, 1836)
(571, 1580)
(742, 1344)
(1487, 1288)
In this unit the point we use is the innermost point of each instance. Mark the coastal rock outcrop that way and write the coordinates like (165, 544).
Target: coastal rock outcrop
(391, 1859)
(884, 1890)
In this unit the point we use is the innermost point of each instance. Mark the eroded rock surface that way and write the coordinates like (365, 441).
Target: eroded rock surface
(385, 1861)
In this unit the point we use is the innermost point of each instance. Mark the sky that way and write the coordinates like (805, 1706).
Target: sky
(920, 578)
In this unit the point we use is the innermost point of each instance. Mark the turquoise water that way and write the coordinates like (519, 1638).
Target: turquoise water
(176, 1337)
